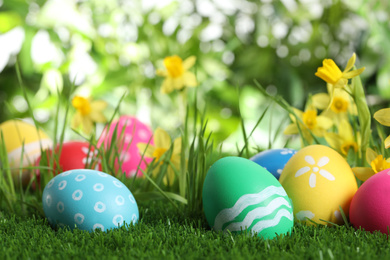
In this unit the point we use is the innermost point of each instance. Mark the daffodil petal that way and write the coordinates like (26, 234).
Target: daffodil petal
(353, 73)
(87, 125)
(370, 155)
(291, 129)
(98, 105)
(383, 116)
(189, 79)
(161, 73)
(97, 117)
(167, 86)
(333, 140)
(161, 139)
(345, 131)
(177, 146)
(76, 120)
(189, 62)
(178, 83)
(363, 173)
(387, 142)
(149, 151)
(324, 122)
(351, 63)
(321, 100)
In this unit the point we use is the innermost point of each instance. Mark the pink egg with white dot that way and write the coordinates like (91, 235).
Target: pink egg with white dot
(125, 134)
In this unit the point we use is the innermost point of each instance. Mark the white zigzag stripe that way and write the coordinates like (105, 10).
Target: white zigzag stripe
(261, 225)
(244, 201)
(258, 213)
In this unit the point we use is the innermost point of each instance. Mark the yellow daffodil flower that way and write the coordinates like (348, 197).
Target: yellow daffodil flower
(377, 163)
(330, 73)
(162, 143)
(311, 122)
(383, 117)
(338, 110)
(344, 140)
(176, 74)
(88, 112)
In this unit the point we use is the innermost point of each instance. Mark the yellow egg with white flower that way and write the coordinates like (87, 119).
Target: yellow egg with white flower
(23, 143)
(319, 180)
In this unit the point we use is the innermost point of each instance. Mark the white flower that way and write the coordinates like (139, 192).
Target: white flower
(314, 169)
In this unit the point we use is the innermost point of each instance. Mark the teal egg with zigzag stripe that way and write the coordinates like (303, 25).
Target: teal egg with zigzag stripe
(240, 195)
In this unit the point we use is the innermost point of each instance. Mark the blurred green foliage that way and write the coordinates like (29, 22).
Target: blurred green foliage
(107, 48)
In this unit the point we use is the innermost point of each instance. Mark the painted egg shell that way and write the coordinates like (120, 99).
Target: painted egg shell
(130, 131)
(88, 199)
(18, 132)
(74, 155)
(77, 155)
(274, 160)
(239, 194)
(319, 180)
(370, 207)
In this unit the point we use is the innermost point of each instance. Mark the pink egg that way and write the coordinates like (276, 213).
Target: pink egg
(130, 131)
(370, 207)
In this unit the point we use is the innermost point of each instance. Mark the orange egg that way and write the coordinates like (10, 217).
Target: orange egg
(319, 180)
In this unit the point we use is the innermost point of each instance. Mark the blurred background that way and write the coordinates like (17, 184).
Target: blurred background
(107, 48)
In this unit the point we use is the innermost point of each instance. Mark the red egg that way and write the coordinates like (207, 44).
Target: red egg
(370, 207)
(74, 155)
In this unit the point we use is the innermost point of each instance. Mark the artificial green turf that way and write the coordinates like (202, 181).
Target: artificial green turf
(166, 233)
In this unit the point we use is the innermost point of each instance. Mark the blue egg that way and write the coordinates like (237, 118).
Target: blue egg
(88, 200)
(274, 160)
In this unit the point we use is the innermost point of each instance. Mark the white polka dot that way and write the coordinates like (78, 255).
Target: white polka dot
(134, 219)
(143, 135)
(98, 187)
(80, 177)
(279, 171)
(131, 198)
(50, 183)
(48, 200)
(132, 173)
(102, 174)
(99, 207)
(118, 184)
(66, 173)
(62, 185)
(79, 218)
(98, 226)
(128, 138)
(119, 200)
(117, 220)
(77, 195)
(60, 207)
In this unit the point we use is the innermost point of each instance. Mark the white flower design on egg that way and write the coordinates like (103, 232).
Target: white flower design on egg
(89, 156)
(314, 168)
(287, 151)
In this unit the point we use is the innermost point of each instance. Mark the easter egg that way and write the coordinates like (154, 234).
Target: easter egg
(75, 155)
(239, 195)
(124, 134)
(370, 207)
(274, 160)
(23, 143)
(89, 200)
(319, 180)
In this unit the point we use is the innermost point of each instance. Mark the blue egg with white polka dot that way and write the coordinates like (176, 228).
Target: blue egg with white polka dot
(274, 160)
(88, 200)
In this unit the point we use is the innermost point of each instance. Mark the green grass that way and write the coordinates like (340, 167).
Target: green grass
(164, 232)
